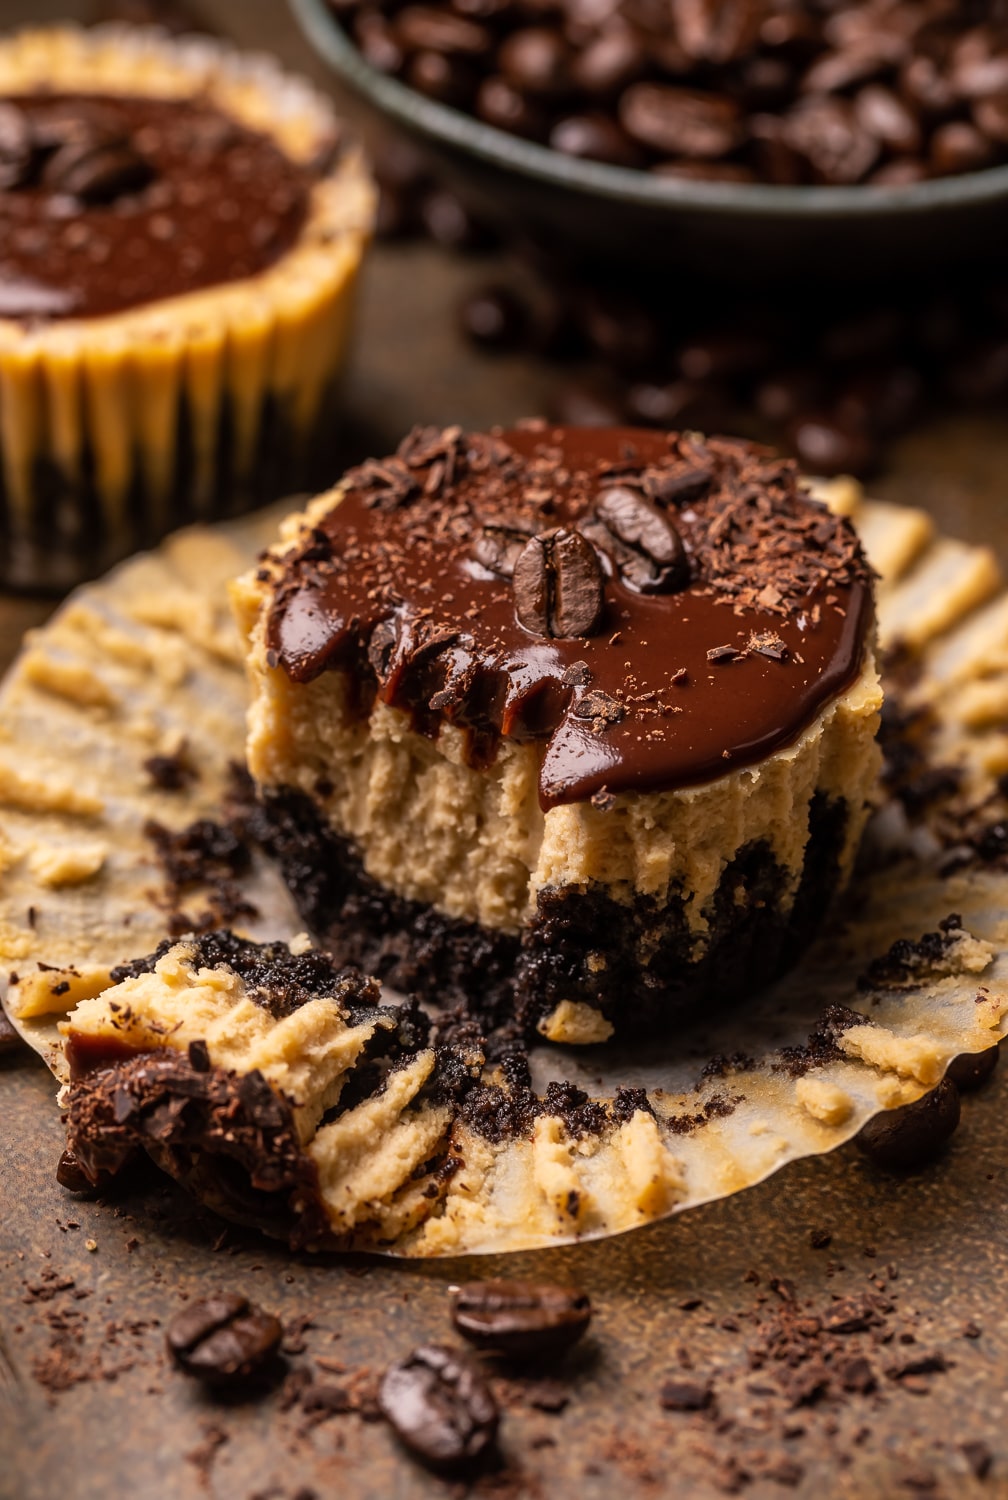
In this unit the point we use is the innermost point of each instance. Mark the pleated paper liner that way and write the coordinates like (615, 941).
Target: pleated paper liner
(147, 663)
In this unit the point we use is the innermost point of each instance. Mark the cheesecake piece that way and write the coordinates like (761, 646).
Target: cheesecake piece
(180, 233)
(575, 726)
(271, 1083)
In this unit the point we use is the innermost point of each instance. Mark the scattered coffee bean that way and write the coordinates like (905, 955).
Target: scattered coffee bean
(493, 317)
(912, 1136)
(520, 1319)
(643, 543)
(558, 585)
(971, 1070)
(440, 1407)
(223, 1340)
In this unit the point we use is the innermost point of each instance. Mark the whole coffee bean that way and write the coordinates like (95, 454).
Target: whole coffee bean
(426, 28)
(680, 122)
(16, 147)
(959, 147)
(520, 1319)
(558, 585)
(776, 159)
(926, 87)
(442, 77)
(835, 72)
(377, 42)
(536, 60)
(904, 1139)
(609, 63)
(648, 550)
(885, 116)
(494, 318)
(971, 1070)
(903, 172)
(449, 223)
(500, 104)
(224, 1339)
(97, 173)
(826, 133)
(594, 137)
(440, 1407)
(497, 548)
(715, 31)
(989, 116)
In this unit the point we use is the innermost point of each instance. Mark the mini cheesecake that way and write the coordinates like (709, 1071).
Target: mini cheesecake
(576, 727)
(180, 234)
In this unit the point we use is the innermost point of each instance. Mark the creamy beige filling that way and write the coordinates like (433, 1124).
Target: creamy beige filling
(475, 844)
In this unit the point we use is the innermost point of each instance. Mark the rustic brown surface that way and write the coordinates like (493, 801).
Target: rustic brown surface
(146, 1432)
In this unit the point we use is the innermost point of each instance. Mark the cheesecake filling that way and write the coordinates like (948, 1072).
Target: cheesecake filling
(108, 202)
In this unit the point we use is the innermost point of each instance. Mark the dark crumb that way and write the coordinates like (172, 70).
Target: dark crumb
(206, 857)
(908, 962)
(821, 1047)
(170, 773)
(820, 1239)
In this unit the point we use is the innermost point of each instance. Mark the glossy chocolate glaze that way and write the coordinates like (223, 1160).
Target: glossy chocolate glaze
(222, 203)
(765, 561)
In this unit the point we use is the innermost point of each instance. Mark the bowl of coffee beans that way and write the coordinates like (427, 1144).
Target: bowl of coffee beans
(759, 137)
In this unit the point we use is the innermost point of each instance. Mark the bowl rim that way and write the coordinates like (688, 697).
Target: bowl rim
(452, 128)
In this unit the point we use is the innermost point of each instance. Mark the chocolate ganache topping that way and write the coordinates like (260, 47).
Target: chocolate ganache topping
(109, 202)
(659, 609)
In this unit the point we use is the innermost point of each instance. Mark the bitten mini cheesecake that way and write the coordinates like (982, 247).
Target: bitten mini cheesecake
(576, 727)
(180, 233)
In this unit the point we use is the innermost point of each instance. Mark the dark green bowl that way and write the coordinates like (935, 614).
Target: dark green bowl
(746, 231)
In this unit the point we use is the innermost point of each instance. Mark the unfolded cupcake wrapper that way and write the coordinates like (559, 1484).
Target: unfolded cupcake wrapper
(115, 429)
(148, 664)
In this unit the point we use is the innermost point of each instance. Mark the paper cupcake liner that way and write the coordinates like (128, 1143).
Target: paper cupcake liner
(147, 662)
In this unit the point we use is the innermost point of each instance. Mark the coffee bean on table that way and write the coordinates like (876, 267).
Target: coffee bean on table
(224, 1339)
(72, 1176)
(493, 317)
(440, 1407)
(558, 585)
(904, 1139)
(520, 1319)
(971, 1070)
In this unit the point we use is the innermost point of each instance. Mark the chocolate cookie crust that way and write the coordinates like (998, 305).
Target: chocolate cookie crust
(109, 202)
(658, 608)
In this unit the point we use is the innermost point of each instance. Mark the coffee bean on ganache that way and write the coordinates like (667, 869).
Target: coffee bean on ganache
(520, 1319)
(224, 1339)
(905, 1139)
(440, 1407)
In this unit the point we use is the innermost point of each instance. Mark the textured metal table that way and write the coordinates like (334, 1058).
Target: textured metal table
(89, 1405)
